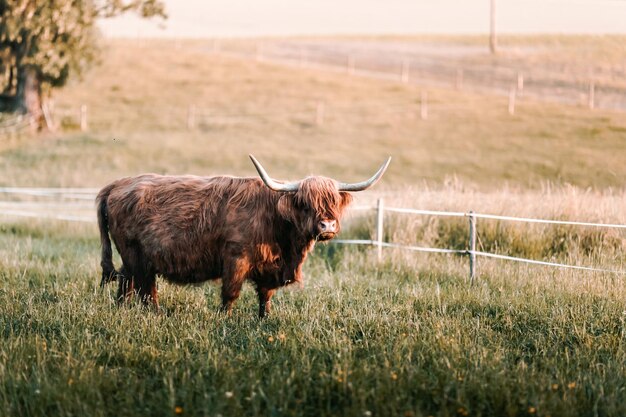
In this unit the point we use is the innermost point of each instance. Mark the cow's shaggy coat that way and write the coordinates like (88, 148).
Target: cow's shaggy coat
(192, 229)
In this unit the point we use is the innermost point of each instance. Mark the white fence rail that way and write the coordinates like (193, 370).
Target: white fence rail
(17, 124)
(471, 251)
(492, 216)
(50, 210)
(40, 215)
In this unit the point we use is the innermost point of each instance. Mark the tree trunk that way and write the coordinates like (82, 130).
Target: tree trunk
(27, 98)
(28, 94)
(8, 88)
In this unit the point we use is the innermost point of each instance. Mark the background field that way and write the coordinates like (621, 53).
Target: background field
(406, 336)
(138, 101)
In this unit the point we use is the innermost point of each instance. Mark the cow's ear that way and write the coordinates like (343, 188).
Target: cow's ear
(286, 207)
(346, 199)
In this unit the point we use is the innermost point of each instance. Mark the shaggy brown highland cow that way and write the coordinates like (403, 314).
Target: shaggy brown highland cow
(192, 229)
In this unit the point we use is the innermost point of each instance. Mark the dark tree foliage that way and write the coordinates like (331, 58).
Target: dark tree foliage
(45, 42)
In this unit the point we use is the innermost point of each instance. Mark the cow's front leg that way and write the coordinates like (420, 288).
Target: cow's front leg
(292, 273)
(232, 281)
(265, 303)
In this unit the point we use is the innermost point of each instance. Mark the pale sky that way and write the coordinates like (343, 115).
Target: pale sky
(210, 18)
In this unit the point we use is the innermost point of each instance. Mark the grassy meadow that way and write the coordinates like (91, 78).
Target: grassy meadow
(406, 336)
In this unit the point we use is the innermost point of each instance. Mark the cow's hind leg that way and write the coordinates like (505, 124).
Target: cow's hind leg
(125, 285)
(265, 303)
(144, 277)
(108, 277)
(131, 272)
(110, 274)
(147, 289)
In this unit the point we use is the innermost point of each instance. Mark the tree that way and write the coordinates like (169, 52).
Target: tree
(45, 42)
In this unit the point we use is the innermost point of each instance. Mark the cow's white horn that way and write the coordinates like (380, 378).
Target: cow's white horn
(272, 184)
(360, 186)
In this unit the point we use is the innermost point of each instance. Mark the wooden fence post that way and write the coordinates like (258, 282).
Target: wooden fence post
(379, 228)
(350, 64)
(191, 117)
(592, 94)
(319, 113)
(47, 117)
(406, 67)
(424, 106)
(303, 59)
(458, 84)
(512, 101)
(259, 52)
(472, 246)
(83, 117)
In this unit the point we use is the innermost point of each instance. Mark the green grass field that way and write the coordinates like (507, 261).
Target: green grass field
(407, 336)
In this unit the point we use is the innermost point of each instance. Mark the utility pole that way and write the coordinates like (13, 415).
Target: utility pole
(493, 41)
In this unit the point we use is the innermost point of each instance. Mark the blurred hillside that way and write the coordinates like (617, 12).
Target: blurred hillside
(183, 107)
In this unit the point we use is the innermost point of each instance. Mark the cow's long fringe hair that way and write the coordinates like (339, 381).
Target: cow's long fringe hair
(322, 196)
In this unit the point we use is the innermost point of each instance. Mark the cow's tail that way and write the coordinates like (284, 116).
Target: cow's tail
(108, 269)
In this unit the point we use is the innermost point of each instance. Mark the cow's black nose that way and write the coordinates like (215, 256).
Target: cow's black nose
(328, 225)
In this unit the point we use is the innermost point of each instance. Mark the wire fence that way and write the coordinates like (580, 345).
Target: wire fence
(307, 111)
(512, 86)
(313, 111)
(18, 124)
(593, 87)
(471, 246)
(70, 201)
(606, 89)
